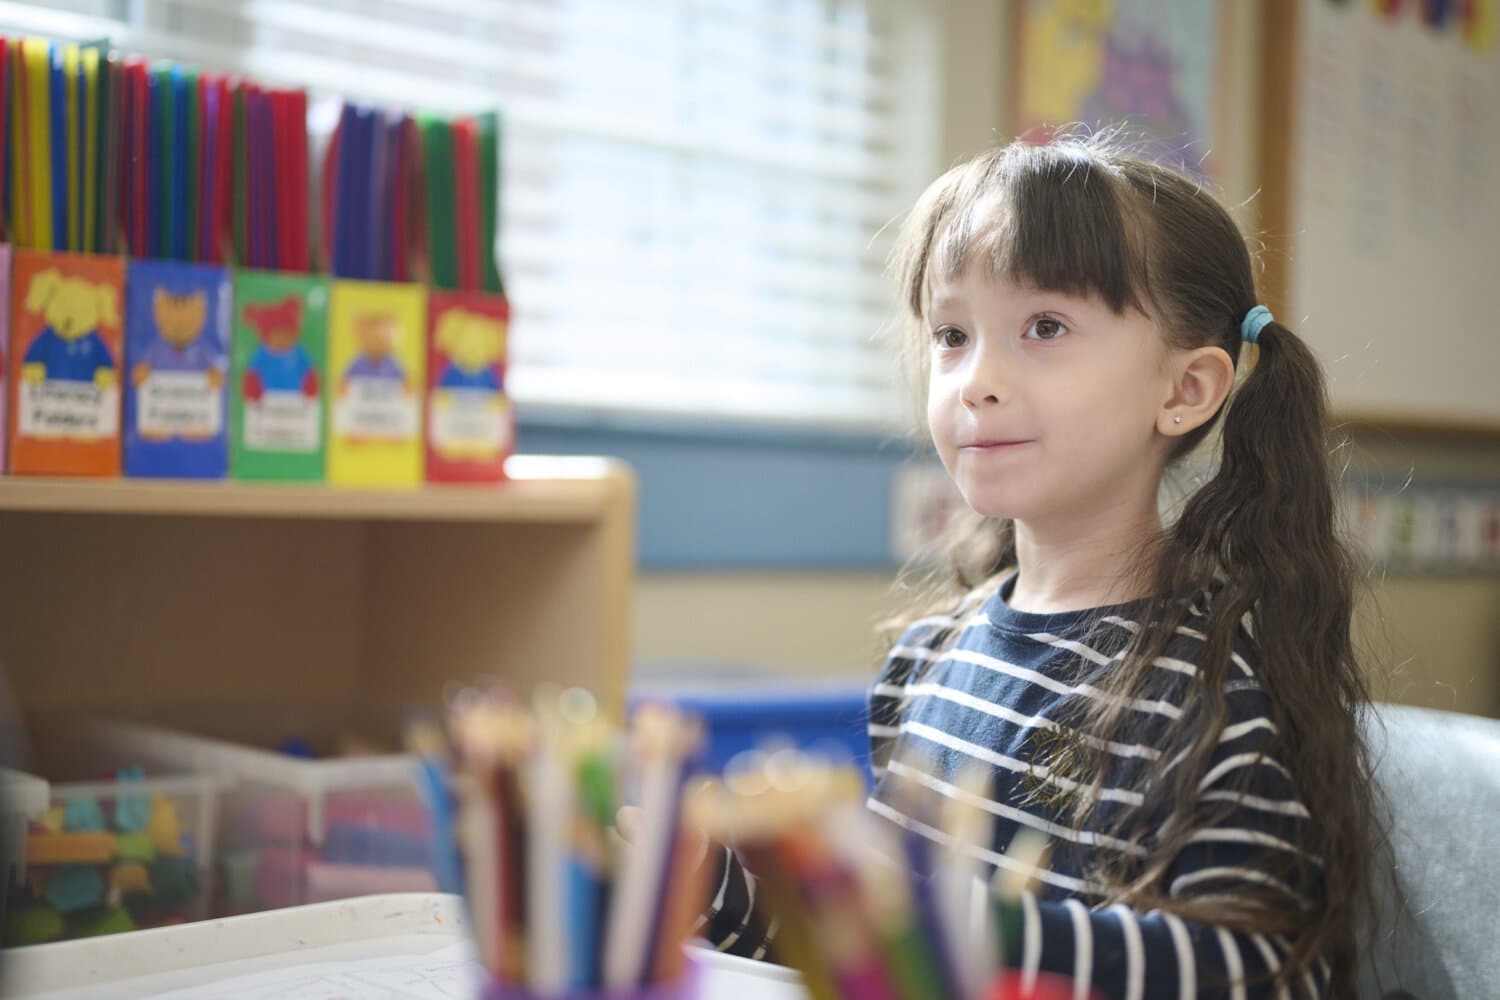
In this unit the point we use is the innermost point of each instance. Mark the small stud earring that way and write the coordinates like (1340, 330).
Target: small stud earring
(1177, 419)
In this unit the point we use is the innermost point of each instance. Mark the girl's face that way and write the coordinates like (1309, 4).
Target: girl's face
(1043, 405)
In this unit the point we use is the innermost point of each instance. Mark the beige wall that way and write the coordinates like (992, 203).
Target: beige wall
(809, 625)
(1431, 641)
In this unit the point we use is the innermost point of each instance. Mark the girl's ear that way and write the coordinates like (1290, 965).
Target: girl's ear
(1202, 378)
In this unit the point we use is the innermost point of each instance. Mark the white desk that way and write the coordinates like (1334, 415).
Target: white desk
(397, 946)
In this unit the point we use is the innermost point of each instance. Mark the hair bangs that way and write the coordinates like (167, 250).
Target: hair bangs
(1052, 217)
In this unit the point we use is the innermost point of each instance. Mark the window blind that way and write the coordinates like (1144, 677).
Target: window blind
(696, 195)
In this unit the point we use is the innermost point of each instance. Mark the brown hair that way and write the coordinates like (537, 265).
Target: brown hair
(1085, 216)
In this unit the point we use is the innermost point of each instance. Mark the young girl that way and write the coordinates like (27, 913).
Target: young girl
(1173, 705)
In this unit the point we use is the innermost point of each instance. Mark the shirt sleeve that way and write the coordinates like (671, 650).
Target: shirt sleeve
(1245, 848)
(736, 920)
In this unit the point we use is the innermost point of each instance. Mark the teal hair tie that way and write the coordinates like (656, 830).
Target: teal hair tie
(1255, 321)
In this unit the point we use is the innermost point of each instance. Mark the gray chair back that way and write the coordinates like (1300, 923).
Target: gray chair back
(1438, 775)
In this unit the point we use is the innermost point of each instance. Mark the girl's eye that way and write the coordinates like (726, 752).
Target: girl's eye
(1045, 328)
(950, 338)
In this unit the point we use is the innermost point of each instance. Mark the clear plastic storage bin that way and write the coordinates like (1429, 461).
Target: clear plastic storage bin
(114, 855)
(297, 829)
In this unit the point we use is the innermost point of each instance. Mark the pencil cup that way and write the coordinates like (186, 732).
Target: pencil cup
(684, 988)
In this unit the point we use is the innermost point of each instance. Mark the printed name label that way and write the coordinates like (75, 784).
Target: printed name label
(185, 404)
(469, 420)
(376, 408)
(283, 421)
(63, 409)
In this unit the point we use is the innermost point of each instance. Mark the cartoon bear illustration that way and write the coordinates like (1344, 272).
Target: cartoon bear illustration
(473, 343)
(468, 410)
(178, 346)
(69, 348)
(279, 364)
(376, 334)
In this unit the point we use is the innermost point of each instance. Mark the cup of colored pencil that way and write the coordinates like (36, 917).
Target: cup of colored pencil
(866, 909)
(524, 802)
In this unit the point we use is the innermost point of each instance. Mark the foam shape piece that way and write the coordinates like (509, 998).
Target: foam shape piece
(52, 819)
(71, 888)
(174, 881)
(83, 815)
(164, 828)
(129, 876)
(101, 921)
(131, 811)
(135, 847)
(69, 848)
(32, 925)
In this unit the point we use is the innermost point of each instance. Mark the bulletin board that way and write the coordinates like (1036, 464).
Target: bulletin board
(1157, 67)
(1379, 163)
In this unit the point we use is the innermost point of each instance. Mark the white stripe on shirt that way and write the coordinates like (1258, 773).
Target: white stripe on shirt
(1083, 949)
(1187, 969)
(1239, 729)
(1094, 656)
(1237, 761)
(1235, 835)
(1232, 873)
(997, 711)
(1031, 944)
(1234, 965)
(946, 739)
(1135, 952)
(1272, 960)
(993, 857)
(1013, 814)
(990, 663)
(1287, 807)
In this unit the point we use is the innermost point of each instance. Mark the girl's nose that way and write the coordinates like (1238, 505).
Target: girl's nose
(984, 383)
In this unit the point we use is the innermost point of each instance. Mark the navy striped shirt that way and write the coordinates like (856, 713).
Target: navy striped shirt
(988, 684)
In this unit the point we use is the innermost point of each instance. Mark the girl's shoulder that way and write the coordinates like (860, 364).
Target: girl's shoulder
(936, 626)
(921, 640)
(1246, 697)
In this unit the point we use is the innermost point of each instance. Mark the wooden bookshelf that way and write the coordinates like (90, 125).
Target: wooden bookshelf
(128, 595)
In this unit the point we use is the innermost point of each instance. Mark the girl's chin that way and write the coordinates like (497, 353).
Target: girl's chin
(989, 505)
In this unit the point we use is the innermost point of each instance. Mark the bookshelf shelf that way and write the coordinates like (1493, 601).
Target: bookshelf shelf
(540, 490)
(129, 594)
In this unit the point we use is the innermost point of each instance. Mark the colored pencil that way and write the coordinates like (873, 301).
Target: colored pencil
(661, 744)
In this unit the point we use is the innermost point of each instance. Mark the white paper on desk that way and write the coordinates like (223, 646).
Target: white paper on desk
(450, 973)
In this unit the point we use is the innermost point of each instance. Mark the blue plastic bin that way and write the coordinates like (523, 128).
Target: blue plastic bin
(743, 716)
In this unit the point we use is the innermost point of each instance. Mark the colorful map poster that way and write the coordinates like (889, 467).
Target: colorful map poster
(1154, 66)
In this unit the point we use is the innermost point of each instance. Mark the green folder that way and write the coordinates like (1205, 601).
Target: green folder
(278, 428)
(489, 200)
(191, 196)
(442, 237)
